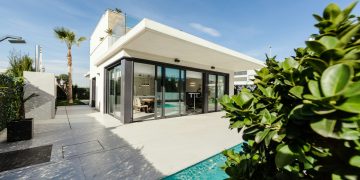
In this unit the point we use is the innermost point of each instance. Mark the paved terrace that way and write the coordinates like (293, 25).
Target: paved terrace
(90, 145)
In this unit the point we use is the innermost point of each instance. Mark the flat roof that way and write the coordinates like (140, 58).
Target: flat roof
(155, 38)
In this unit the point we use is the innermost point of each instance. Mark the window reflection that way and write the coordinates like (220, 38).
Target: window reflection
(144, 92)
(211, 92)
(114, 91)
(194, 102)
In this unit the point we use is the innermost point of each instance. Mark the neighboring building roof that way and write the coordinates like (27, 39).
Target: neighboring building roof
(154, 38)
(244, 77)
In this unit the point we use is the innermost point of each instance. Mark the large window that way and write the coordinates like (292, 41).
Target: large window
(114, 91)
(161, 91)
(216, 90)
(194, 92)
(211, 92)
(220, 90)
(144, 92)
(174, 102)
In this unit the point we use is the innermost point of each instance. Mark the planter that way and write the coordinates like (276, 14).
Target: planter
(20, 130)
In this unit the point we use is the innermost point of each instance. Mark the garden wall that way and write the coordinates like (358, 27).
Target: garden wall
(44, 86)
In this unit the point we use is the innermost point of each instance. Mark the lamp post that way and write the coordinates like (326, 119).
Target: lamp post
(13, 39)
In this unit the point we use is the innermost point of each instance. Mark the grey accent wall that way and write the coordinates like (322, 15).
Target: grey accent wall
(43, 85)
(126, 91)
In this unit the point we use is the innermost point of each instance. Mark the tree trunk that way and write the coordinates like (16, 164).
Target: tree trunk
(70, 95)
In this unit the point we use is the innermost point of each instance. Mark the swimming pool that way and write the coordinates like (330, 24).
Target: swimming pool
(206, 169)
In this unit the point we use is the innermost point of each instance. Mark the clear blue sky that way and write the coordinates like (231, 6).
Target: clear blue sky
(246, 26)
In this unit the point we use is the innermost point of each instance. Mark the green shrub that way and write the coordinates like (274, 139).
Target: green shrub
(303, 120)
(11, 89)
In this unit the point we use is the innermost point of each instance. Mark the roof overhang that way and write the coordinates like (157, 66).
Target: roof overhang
(154, 38)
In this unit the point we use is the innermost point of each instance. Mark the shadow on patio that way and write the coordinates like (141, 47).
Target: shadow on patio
(84, 147)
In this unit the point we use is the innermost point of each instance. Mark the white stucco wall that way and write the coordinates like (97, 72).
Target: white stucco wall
(43, 85)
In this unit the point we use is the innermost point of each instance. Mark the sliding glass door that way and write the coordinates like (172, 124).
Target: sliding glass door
(194, 92)
(161, 91)
(211, 92)
(220, 90)
(216, 90)
(114, 91)
(144, 92)
(172, 89)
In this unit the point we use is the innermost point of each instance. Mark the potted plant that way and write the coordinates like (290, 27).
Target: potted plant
(19, 128)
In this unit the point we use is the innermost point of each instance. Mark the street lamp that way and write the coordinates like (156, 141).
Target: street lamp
(13, 39)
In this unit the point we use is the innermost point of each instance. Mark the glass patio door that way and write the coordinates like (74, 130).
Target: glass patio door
(171, 106)
(159, 93)
(114, 93)
(211, 92)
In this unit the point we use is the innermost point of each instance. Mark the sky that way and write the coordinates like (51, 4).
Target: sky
(249, 27)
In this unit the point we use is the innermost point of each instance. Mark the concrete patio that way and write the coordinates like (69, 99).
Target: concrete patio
(90, 145)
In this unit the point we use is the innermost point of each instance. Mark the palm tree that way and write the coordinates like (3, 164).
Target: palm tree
(69, 37)
(109, 31)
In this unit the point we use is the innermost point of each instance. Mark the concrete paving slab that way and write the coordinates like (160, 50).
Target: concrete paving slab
(81, 148)
(143, 150)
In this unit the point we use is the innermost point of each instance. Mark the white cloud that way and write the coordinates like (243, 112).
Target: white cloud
(208, 30)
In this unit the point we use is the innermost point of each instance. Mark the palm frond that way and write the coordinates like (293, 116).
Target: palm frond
(65, 35)
(81, 39)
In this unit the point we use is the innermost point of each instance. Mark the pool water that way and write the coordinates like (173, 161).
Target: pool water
(167, 106)
(209, 168)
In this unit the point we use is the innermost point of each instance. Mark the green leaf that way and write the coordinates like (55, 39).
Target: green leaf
(225, 99)
(266, 116)
(347, 37)
(315, 46)
(317, 17)
(330, 42)
(323, 111)
(278, 138)
(268, 92)
(332, 54)
(261, 135)
(349, 134)
(237, 124)
(269, 137)
(301, 111)
(314, 88)
(335, 78)
(352, 105)
(318, 65)
(331, 11)
(348, 9)
(284, 156)
(243, 98)
(297, 91)
(355, 161)
(324, 127)
(352, 89)
(290, 63)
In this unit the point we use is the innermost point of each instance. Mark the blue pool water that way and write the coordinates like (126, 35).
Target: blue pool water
(206, 169)
(167, 106)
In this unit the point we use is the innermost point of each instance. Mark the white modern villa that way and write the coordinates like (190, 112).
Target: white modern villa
(153, 71)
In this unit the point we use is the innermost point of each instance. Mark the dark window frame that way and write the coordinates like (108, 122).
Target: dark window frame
(106, 83)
